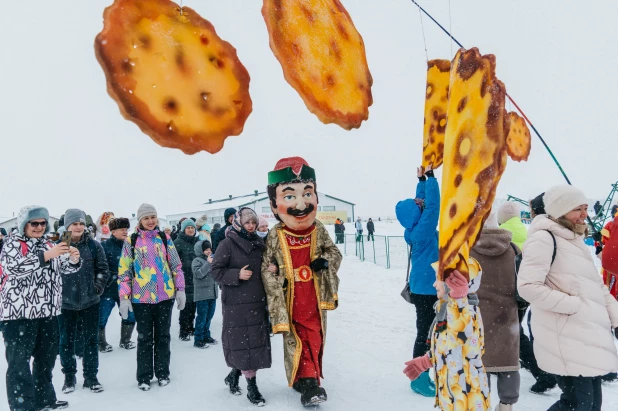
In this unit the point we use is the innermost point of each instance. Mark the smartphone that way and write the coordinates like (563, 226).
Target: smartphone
(66, 238)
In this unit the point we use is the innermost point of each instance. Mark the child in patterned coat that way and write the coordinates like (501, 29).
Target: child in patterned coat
(457, 345)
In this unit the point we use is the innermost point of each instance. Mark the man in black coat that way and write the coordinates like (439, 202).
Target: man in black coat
(80, 301)
(185, 245)
(228, 215)
(370, 230)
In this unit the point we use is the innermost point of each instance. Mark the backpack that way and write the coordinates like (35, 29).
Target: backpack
(161, 235)
(523, 304)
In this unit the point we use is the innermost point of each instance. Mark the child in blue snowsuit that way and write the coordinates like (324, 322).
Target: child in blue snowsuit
(419, 217)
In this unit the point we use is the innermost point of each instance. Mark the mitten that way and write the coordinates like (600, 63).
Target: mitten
(458, 285)
(124, 308)
(181, 299)
(417, 366)
(319, 264)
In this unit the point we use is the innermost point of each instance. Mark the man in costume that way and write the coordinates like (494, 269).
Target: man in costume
(303, 286)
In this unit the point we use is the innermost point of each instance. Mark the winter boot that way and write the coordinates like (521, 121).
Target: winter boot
(423, 386)
(69, 384)
(201, 344)
(103, 345)
(504, 407)
(311, 393)
(232, 381)
(58, 405)
(253, 394)
(126, 329)
(542, 385)
(93, 385)
(211, 341)
(144, 386)
(164, 382)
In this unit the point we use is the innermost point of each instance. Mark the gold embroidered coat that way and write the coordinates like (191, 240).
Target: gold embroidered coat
(281, 301)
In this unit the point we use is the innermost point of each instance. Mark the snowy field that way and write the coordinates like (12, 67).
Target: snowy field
(370, 336)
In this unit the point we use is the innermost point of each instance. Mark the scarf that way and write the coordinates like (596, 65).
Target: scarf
(241, 217)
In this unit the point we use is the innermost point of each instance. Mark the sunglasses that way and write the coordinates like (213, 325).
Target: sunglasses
(36, 224)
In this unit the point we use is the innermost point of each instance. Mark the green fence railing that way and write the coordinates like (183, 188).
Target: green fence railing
(385, 251)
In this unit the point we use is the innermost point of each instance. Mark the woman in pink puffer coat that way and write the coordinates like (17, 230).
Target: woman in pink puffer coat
(573, 313)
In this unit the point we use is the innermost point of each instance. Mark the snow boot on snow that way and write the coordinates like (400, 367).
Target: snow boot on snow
(93, 385)
(69, 384)
(58, 405)
(253, 394)
(126, 329)
(103, 345)
(232, 381)
(144, 386)
(542, 385)
(423, 385)
(504, 407)
(311, 393)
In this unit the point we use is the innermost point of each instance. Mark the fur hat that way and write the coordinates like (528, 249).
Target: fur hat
(74, 215)
(507, 211)
(559, 200)
(187, 223)
(201, 221)
(145, 210)
(118, 223)
(29, 213)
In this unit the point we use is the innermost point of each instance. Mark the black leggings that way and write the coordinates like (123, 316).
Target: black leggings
(424, 317)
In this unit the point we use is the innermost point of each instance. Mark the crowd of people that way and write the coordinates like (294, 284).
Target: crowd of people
(546, 271)
(58, 291)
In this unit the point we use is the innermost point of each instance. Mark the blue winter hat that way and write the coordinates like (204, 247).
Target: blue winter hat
(29, 213)
(408, 213)
(187, 223)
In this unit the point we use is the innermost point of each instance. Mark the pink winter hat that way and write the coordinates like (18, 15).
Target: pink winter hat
(263, 222)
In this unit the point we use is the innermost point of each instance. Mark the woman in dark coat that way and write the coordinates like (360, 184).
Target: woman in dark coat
(185, 244)
(245, 336)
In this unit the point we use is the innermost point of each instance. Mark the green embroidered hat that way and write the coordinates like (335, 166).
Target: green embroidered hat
(290, 169)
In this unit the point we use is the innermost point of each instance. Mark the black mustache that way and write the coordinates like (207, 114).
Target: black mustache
(301, 213)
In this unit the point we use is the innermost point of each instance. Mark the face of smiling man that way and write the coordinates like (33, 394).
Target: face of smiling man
(296, 205)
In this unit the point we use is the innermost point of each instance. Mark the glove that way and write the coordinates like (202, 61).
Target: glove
(181, 299)
(124, 308)
(458, 285)
(417, 366)
(319, 264)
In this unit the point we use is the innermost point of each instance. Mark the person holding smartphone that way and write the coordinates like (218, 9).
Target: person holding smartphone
(30, 271)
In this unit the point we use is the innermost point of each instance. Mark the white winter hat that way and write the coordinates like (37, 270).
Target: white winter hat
(559, 200)
(492, 220)
(507, 211)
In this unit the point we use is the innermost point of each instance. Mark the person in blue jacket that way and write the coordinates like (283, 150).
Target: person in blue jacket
(419, 217)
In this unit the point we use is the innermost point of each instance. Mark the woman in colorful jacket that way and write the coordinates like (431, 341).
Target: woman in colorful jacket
(30, 301)
(149, 278)
(574, 312)
(457, 345)
(419, 217)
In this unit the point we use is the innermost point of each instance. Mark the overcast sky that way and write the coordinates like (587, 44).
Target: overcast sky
(64, 144)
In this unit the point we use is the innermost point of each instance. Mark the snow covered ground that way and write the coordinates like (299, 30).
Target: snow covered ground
(370, 336)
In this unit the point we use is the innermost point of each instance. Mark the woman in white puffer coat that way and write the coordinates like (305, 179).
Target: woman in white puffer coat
(573, 313)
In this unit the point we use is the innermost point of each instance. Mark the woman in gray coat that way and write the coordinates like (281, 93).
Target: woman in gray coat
(245, 337)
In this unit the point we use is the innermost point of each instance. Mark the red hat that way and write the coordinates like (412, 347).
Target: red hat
(290, 169)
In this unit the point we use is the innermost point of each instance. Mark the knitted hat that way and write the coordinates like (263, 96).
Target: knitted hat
(118, 223)
(228, 212)
(492, 219)
(206, 245)
(74, 215)
(29, 213)
(187, 223)
(559, 200)
(201, 221)
(145, 210)
(507, 211)
(262, 222)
